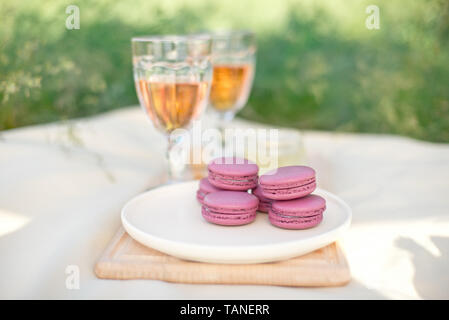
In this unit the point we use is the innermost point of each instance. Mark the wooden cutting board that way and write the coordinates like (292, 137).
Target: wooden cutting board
(125, 258)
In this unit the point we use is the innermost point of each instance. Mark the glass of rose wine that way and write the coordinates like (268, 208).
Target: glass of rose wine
(234, 61)
(172, 75)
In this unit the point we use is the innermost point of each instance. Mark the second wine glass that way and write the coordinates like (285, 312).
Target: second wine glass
(234, 61)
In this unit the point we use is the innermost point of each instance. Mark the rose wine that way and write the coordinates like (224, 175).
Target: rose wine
(172, 105)
(230, 86)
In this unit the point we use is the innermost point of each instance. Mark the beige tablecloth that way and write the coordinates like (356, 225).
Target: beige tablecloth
(62, 187)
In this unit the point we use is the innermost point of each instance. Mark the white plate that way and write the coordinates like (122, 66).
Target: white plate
(169, 219)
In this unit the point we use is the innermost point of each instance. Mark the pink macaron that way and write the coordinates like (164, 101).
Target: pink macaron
(264, 203)
(229, 208)
(286, 183)
(205, 188)
(233, 173)
(302, 213)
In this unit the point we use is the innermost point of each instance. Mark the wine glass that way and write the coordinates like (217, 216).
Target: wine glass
(233, 60)
(172, 75)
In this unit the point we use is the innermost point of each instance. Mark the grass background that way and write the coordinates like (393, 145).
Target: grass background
(318, 66)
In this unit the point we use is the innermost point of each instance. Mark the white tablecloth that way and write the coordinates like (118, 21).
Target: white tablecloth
(62, 187)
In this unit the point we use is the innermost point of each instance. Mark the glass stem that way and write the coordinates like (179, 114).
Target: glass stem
(176, 164)
(221, 128)
(223, 119)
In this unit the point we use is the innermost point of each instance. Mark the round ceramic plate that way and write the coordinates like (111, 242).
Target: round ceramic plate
(169, 219)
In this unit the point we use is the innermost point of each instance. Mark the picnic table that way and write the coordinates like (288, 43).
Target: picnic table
(62, 186)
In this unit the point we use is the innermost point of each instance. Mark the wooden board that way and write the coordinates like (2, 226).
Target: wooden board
(127, 259)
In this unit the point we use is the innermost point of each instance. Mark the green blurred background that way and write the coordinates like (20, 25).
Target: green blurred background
(318, 66)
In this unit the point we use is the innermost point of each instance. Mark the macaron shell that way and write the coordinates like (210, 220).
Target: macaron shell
(288, 176)
(264, 202)
(232, 182)
(228, 219)
(303, 207)
(233, 173)
(295, 223)
(231, 202)
(257, 191)
(200, 196)
(289, 193)
(264, 206)
(299, 213)
(286, 183)
(234, 166)
(206, 187)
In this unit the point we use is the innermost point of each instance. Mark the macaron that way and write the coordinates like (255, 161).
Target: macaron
(286, 183)
(264, 203)
(229, 208)
(232, 173)
(205, 188)
(302, 213)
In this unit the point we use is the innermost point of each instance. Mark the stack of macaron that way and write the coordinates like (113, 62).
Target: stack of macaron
(285, 193)
(224, 193)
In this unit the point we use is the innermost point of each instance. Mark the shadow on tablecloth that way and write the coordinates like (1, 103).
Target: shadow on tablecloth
(428, 266)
